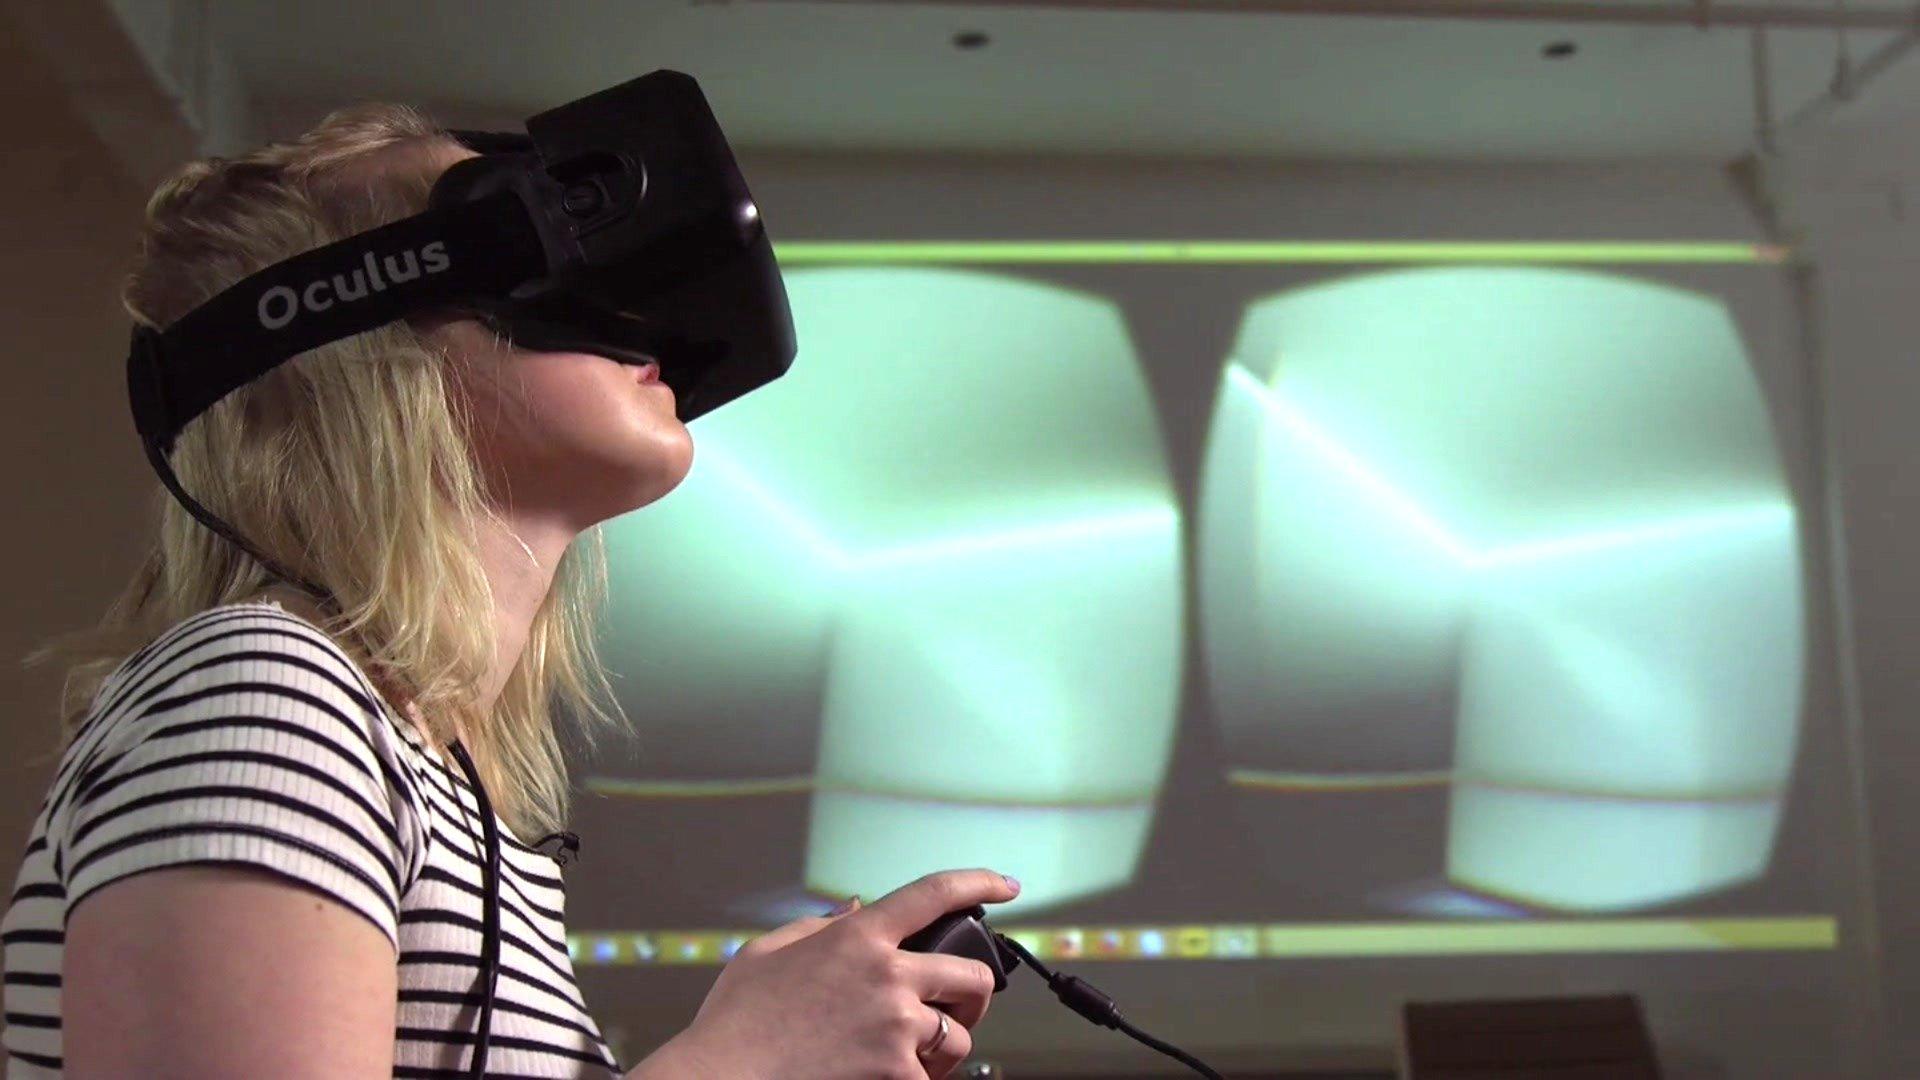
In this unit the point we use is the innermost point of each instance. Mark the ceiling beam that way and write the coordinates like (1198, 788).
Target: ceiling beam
(109, 83)
(1874, 66)
(1697, 13)
(154, 88)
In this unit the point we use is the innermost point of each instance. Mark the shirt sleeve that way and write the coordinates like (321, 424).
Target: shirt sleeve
(250, 741)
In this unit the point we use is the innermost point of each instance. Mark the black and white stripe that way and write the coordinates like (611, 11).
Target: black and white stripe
(244, 735)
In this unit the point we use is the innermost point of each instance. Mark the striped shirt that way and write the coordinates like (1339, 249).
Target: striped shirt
(245, 736)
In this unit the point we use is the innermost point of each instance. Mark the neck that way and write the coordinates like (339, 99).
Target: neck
(519, 555)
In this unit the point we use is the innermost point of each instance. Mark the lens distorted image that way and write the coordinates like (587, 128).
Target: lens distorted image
(919, 605)
(1502, 563)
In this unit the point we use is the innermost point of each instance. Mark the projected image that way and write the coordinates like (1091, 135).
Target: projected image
(1499, 606)
(919, 604)
(1502, 562)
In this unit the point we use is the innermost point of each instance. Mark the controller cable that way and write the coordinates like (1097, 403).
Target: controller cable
(1087, 1000)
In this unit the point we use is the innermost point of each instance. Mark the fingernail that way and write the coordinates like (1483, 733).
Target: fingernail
(845, 906)
(1012, 882)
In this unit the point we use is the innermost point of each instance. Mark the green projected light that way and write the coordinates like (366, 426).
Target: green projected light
(931, 578)
(1525, 526)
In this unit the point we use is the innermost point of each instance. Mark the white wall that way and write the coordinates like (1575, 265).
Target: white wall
(1861, 201)
(76, 484)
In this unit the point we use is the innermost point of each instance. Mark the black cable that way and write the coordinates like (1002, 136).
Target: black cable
(490, 911)
(1087, 1000)
(566, 846)
(1167, 1048)
(158, 457)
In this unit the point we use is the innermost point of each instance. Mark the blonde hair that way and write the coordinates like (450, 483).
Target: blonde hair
(349, 466)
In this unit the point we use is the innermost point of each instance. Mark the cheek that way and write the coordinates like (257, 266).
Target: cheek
(580, 427)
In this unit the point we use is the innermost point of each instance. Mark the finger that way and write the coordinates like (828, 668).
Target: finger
(964, 987)
(914, 905)
(951, 1050)
(782, 936)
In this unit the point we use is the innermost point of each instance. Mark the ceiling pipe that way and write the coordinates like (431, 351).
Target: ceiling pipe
(1698, 13)
(1857, 79)
(1765, 127)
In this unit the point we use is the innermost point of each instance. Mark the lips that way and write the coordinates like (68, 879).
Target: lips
(648, 373)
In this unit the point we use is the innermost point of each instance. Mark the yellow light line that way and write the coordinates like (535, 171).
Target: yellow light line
(1682, 798)
(1274, 782)
(699, 789)
(801, 785)
(1279, 782)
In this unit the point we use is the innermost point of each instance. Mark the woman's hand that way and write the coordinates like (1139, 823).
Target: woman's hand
(837, 996)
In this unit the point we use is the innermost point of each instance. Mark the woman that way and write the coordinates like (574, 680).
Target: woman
(260, 855)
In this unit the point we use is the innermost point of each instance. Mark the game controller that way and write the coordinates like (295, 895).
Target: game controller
(966, 933)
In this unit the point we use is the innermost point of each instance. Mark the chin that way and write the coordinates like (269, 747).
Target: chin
(666, 466)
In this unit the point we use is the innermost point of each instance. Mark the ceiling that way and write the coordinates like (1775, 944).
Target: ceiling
(888, 77)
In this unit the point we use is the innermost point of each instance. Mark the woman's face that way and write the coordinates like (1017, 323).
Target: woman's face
(563, 437)
(567, 437)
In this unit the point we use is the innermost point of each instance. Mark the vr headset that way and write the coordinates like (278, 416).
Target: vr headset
(617, 225)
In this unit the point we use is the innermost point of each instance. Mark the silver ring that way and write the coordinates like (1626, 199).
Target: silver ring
(939, 1039)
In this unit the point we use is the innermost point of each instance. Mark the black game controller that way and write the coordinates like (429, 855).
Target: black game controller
(965, 933)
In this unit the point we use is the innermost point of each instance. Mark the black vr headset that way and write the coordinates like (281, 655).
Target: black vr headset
(617, 225)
